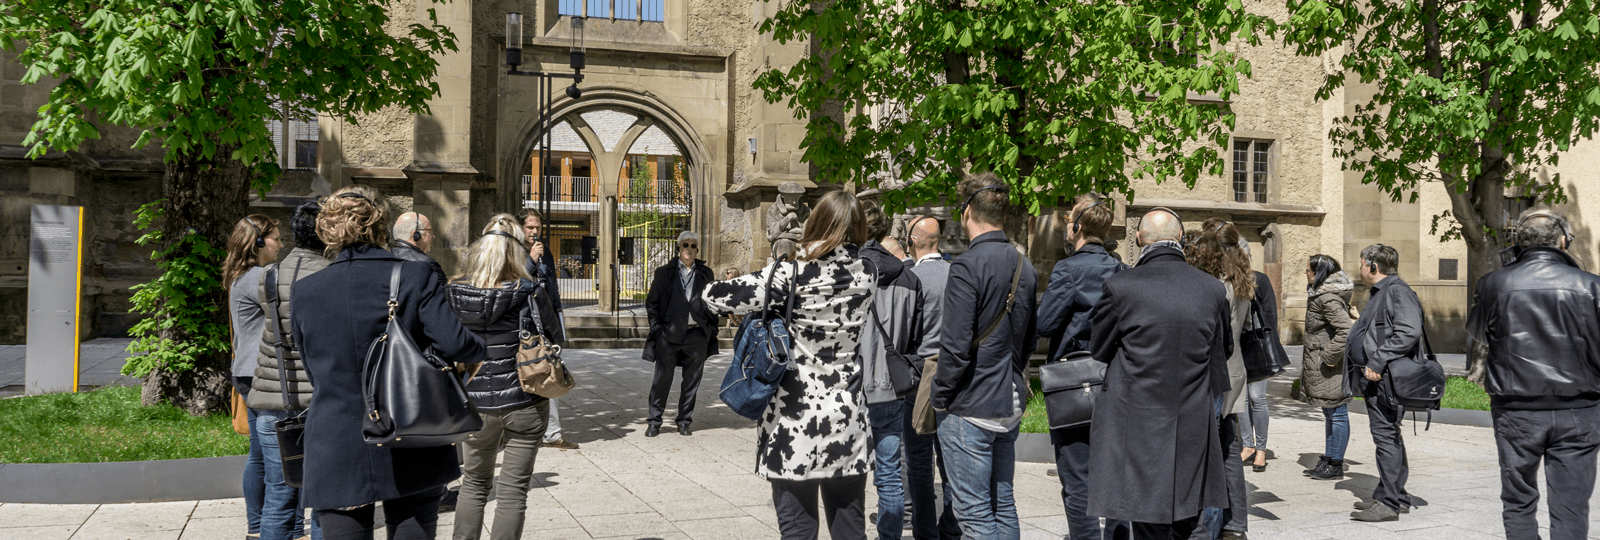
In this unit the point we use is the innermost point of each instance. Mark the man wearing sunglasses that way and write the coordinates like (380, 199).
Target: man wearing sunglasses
(683, 331)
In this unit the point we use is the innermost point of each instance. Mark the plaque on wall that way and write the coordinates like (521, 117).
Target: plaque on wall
(55, 287)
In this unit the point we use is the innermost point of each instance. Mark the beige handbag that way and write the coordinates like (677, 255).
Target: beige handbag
(539, 367)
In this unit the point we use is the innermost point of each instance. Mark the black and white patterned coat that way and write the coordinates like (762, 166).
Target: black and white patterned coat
(816, 426)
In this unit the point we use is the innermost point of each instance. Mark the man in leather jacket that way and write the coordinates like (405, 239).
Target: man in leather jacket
(1389, 329)
(413, 239)
(1540, 319)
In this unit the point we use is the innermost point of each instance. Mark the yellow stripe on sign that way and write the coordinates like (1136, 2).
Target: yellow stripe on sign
(77, 306)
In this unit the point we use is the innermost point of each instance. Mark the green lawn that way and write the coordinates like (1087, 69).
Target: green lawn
(109, 425)
(1458, 394)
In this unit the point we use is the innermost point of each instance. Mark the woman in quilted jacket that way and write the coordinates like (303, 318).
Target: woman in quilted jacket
(496, 299)
(813, 436)
(1322, 366)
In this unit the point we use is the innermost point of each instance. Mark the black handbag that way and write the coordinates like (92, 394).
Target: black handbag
(413, 398)
(1264, 357)
(1070, 387)
(904, 371)
(291, 430)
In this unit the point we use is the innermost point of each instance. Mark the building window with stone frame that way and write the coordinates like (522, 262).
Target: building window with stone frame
(1252, 170)
(622, 10)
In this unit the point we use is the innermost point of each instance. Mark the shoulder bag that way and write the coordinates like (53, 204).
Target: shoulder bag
(413, 398)
(902, 369)
(923, 419)
(1263, 356)
(1416, 382)
(291, 429)
(539, 367)
(760, 355)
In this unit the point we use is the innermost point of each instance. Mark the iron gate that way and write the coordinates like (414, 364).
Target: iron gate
(648, 227)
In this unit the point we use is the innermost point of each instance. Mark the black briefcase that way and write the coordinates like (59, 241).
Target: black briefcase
(1070, 388)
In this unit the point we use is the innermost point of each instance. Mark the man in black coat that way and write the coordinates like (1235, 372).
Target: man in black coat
(1389, 329)
(980, 382)
(683, 331)
(413, 239)
(1064, 317)
(1540, 318)
(542, 267)
(1164, 329)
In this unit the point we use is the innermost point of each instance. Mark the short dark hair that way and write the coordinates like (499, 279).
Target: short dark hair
(877, 220)
(304, 226)
(1322, 267)
(531, 212)
(1093, 223)
(1541, 228)
(1386, 258)
(987, 206)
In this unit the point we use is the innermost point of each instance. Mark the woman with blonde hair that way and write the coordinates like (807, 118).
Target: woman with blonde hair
(814, 436)
(252, 245)
(337, 313)
(497, 299)
(1220, 251)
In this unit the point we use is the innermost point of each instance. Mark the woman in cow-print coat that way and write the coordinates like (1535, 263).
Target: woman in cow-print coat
(814, 434)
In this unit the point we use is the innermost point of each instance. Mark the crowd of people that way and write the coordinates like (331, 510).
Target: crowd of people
(1173, 430)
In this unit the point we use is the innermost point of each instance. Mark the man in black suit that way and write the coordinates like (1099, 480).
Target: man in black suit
(1389, 329)
(1164, 329)
(683, 331)
(413, 239)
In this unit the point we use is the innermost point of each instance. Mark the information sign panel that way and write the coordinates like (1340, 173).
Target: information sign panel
(55, 293)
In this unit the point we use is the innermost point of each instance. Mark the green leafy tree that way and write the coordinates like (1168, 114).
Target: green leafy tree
(1475, 95)
(202, 80)
(1057, 98)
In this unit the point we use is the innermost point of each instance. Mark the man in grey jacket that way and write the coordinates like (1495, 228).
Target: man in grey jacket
(927, 521)
(894, 332)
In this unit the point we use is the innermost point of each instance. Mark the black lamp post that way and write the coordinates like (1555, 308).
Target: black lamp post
(545, 95)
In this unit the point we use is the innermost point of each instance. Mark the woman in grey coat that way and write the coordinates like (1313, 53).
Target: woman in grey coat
(1322, 366)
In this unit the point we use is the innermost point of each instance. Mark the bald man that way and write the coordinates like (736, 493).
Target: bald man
(927, 519)
(1162, 328)
(413, 239)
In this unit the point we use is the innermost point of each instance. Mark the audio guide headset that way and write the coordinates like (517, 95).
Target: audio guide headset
(995, 187)
(1181, 241)
(261, 239)
(1566, 226)
(1075, 225)
(1372, 266)
(416, 227)
(505, 234)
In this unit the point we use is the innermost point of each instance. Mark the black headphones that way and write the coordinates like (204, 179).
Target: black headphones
(416, 227)
(503, 233)
(913, 229)
(1181, 241)
(261, 239)
(1566, 226)
(1372, 266)
(995, 187)
(1077, 226)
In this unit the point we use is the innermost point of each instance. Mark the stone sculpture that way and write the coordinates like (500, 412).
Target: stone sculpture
(786, 219)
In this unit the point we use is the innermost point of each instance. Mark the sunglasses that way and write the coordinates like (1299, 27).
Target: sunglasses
(690, 246)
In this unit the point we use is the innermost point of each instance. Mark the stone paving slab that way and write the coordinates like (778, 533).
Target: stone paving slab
(624, 485)
(99, 364)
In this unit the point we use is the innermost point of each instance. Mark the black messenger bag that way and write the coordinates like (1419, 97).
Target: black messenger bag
(1070, 388)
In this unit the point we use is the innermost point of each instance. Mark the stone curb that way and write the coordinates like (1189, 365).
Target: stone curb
(122, 482)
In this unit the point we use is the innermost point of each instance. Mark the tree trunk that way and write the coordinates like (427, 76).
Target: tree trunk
(1480, 261)
(206, 196)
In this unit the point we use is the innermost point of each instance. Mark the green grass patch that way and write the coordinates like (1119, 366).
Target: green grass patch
(109, 425)
(1035, 419)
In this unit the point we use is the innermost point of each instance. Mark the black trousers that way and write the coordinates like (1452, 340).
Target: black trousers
(1383, 417)
(844, 499)
(1072, 466)
(690, 356)
(1177, 530)
(928, 521)
(413, 517)
(1565, 440)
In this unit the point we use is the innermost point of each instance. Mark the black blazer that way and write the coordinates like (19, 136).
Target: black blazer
(990, 384)
(337, 312)
(665, 304)
(545, 272)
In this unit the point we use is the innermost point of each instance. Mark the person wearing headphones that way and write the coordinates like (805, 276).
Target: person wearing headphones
(1064, 317)
(1390, 329)
(413, 239)
(1540, 319)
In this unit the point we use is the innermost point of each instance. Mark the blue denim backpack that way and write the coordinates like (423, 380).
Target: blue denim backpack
(760, 355)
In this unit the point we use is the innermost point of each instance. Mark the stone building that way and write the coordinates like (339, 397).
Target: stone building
(675, 76)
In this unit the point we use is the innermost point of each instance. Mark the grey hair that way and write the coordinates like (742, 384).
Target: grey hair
(404, 227)
(689, 235)
(1385, 257)
(1541, 228)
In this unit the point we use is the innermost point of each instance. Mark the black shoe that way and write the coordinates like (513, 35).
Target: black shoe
(1331, 470)
(1233, 535)
(1376, 512)
(1321, 461)
(448, 502)
(1363, 505)
(683, 429)
(652, 430)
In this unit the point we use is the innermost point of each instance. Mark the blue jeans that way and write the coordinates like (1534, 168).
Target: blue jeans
(1253, 422)
(928, 522)
(280, 515)
(981, 464)
(1337, 429)
(255, 484)
(887, 420)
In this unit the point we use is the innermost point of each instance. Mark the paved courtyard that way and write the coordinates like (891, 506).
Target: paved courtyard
(623, 485)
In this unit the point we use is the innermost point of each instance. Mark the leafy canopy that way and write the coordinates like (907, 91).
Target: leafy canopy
(1057, 98)
(1467, 92)
(193, 75)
